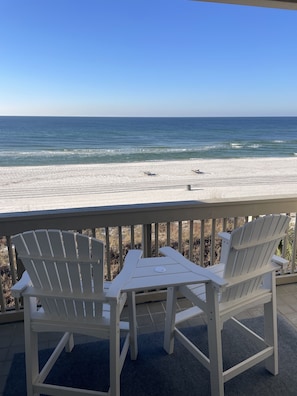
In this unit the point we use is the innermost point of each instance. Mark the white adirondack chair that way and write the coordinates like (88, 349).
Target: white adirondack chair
(248, 265)
(65, 274)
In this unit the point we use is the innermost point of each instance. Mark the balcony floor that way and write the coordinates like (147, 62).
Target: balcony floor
(150, 318)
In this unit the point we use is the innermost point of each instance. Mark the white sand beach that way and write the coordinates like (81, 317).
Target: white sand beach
(74, 186)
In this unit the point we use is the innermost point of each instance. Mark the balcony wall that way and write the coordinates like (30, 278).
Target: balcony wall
(191, 227)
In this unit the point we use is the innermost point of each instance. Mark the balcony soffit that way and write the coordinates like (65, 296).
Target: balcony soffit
(288, 4)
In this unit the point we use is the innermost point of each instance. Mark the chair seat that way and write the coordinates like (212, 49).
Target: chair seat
(42, 320)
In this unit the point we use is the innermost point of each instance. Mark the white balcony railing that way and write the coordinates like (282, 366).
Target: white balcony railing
(190, 226)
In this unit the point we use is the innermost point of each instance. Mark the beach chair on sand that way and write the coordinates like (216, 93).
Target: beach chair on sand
(248, 265)
(65, 274)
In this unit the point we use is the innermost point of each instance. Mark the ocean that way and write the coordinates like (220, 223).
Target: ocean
(88, 140)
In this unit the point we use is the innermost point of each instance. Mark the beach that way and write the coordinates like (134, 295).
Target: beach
(74, 186)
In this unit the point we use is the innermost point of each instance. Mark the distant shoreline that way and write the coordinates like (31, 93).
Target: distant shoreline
(73, 186)
(152, 161)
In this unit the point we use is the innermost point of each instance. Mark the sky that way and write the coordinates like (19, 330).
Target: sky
(146, 58)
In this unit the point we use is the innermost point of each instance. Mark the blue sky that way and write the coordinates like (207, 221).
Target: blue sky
(146, 58)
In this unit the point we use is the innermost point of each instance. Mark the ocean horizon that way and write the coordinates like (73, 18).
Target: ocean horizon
(37, 141)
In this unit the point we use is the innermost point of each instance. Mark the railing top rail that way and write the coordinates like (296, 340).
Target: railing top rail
(106, 216)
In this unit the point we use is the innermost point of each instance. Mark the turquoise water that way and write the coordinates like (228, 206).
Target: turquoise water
(87, 140)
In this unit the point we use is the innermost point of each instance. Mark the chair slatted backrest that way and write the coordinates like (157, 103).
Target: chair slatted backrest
(252, 247)
(66, 265)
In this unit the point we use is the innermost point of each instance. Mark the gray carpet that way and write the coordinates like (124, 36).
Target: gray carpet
(156, 373)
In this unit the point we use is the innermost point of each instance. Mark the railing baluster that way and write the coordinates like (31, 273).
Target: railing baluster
(108, 258)
(147, 240)
(2, 299)
(132, 236)
(191, 240)
(12, 264)
(120, 246)
(156, 239)
(180, 234)
(168, 233)
(202, 243)
(213, 242)
(224, 224)
(294, 248)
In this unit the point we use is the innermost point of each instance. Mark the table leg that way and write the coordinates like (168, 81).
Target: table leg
(132, 325)
(170, 319)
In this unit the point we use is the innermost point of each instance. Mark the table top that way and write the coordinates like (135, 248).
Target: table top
(172, 269)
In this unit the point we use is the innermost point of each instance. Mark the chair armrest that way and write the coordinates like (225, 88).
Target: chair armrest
(260, 272)
(282, 262)
(118, 284)
(21, 285)
(217, 281)
(224, 235)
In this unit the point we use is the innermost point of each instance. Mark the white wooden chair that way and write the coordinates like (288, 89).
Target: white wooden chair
(65, 275)
(248, 265)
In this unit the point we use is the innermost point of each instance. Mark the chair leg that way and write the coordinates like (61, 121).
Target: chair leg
(270, 326)
(70, 343)
(170, 320)
(270, 337)
(114, 351)
(214, 342)
(132, 325)
(31, 350)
